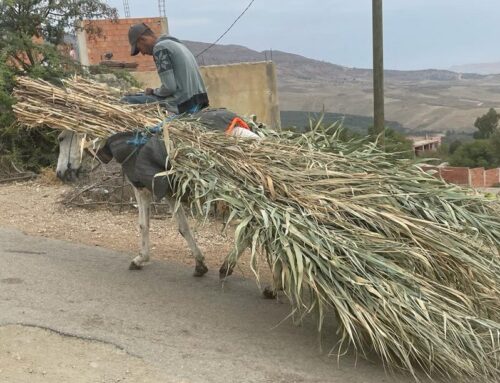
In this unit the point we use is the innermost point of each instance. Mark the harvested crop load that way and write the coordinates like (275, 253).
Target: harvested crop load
(408, 265)
(81, 105)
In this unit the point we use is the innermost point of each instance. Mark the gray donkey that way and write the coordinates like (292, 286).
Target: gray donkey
(142, 156)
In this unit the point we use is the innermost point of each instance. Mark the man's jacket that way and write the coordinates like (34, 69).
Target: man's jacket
(182, 87)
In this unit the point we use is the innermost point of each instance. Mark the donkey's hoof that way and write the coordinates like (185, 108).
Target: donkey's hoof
(200, 270)
(225, 271)
(269, 293)
(134, 266)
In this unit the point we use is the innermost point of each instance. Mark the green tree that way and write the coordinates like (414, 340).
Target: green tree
(478, 153)
(454, 146)
(495, 146)
(23, 21)
(487, 124)
(30, 33)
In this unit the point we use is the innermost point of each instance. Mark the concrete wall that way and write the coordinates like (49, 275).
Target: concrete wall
(91, 49)
(247, 88)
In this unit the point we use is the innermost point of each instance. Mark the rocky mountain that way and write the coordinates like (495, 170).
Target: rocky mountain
(425, 100)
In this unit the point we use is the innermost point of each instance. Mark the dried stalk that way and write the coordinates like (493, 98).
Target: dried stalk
(410, 266)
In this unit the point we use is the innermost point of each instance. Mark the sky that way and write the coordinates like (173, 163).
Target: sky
(418, 34)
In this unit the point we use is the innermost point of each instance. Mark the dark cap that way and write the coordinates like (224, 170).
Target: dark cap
(134, 33)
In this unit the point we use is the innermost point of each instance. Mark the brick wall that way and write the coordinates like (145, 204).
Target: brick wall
(115, 39)
(492, 177)
(458, 176)
(477, 177)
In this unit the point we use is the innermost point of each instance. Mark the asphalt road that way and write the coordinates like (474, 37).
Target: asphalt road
(190, 329)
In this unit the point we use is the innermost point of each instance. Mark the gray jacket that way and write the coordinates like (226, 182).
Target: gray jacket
(182, 88)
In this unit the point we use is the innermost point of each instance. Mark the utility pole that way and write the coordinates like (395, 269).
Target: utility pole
(378, 71)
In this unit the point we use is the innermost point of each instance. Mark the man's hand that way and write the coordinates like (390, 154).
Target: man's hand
(148, 91)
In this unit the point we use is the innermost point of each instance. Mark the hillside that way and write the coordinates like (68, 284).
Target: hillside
(426, 100)
(481, 68)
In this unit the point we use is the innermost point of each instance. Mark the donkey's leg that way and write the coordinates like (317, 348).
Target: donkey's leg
(271, 291)
(229, 264)
(143, 197)
(185, 231)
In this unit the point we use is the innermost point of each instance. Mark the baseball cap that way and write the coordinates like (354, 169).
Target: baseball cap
(134, 33)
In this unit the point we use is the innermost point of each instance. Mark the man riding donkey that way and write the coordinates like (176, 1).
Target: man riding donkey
(143, 154)
(182, 89)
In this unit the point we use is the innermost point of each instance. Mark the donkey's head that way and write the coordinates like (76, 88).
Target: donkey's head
(72, 147)
(70, 155)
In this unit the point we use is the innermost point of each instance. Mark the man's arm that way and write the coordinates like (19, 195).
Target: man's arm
(166, 73)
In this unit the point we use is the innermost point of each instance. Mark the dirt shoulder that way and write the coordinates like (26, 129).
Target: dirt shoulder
(35, 208)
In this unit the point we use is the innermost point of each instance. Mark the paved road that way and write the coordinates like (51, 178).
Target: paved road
(189, 328)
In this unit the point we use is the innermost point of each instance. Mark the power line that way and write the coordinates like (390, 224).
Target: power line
(227, 30)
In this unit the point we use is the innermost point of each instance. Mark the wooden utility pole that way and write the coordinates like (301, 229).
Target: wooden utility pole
(378, 70)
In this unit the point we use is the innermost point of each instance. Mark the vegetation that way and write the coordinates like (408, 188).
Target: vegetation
(479, 153)
(32, 34)
(401, 262)
(484, 151)
(300, 121)
(356, 233)
(480, 149)
(395, 143)
(350, 128)
(487, 124)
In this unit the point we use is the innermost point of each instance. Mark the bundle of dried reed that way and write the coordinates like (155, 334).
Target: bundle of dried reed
(81, 105)
(409, 266)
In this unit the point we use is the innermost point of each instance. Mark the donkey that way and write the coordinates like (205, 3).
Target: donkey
(141, 158)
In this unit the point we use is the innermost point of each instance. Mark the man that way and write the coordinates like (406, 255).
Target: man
(182, 89)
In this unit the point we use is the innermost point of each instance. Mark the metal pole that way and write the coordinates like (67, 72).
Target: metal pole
(378, 70)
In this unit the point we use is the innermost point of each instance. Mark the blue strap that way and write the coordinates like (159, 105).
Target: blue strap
(141, 138)
(138, 140)
(158, 128)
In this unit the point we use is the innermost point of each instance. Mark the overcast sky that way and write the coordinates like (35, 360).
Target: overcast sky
(418, 33)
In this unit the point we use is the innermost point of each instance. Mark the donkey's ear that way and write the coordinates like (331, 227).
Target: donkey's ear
(63, 135)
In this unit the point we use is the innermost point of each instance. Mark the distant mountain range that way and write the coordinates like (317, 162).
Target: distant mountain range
(425, 100)
(483, 68)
